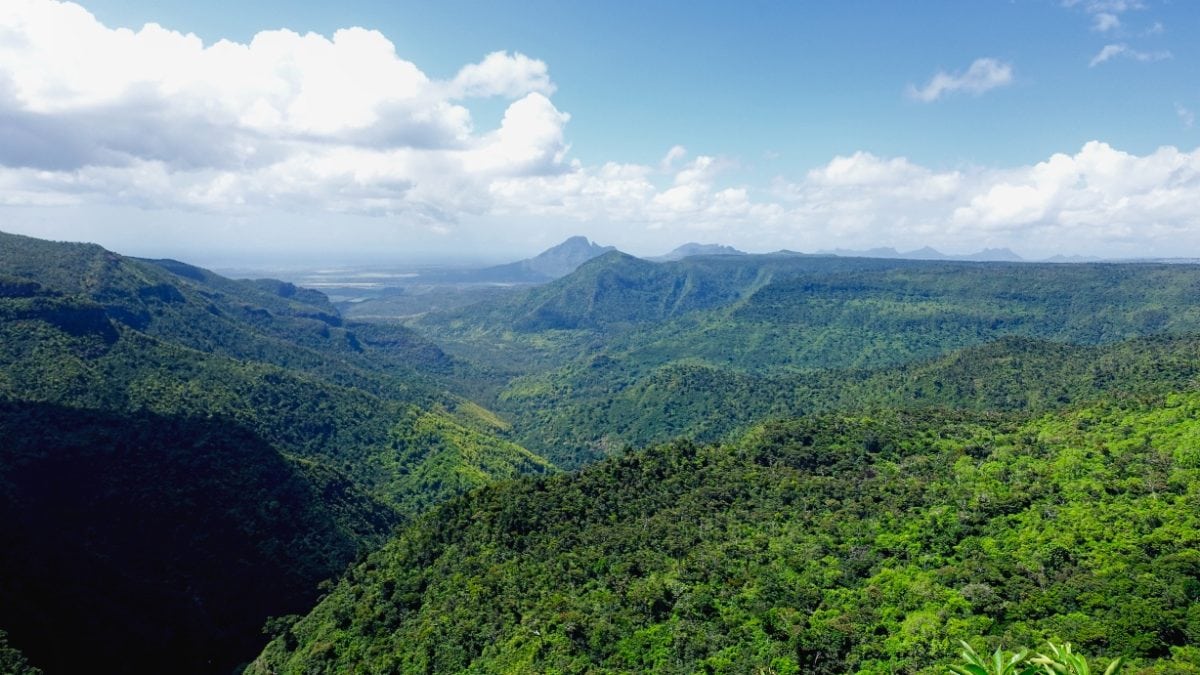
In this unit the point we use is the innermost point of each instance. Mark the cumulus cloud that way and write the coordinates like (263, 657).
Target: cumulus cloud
(1099, 195)
(983, 75)
(1098, 199)
(336, 129)
(157, 117)
(1109, 52)
(502, 74)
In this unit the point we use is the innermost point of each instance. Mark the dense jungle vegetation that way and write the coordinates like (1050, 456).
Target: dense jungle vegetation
(726, 464)
(831, 544)
(186, 456)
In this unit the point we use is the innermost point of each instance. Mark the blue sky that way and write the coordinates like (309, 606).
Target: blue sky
(763, 98)
(807, 80)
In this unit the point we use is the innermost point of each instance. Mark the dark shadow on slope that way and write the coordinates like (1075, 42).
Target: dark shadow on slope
(147, 544)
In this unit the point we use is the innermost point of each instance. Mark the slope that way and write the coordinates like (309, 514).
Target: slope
(828, 545)
(626, 351)
(804, 312)
(128, 352)
(589, 410)
(88, 328)
(161, 543)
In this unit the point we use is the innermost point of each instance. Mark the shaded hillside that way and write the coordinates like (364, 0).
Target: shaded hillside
(87, 328)
(161, 542)
(828, 545)
(139, 364)
(66, 351)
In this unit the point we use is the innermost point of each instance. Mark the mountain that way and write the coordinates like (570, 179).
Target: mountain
(925, 253)
(994, 254)
(829, 544)
(627, 352)
(557, 261)
(195, 454)
(1072, 259)
(693, 249)
(928, 253)
(878, 252)
(897, 454)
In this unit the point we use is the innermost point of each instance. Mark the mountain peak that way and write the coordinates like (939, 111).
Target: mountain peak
(573, 242)
(561, 260)
(692, 248)
(555, 262)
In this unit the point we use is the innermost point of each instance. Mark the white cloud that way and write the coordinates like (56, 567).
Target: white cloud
(1186, 116)
(1098, 200)
(320, 140)
(983, 75)
(676, 153)
(155, 117)
(1098, 193)
(1109, 52)
(1105, 6)
(503, 74)
(1104, 21)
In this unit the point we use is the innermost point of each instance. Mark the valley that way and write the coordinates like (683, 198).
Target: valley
(570, 337)
(720, 463)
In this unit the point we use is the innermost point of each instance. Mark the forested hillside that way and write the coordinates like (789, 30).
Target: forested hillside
(587, 410)
(831, 544)
(195, 454)
(782, 463)
(628, 352)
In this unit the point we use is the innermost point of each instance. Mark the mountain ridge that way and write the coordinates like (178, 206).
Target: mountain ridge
(140, 367)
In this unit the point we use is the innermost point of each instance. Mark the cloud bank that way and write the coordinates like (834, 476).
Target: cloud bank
(158, 118)
(310, 130)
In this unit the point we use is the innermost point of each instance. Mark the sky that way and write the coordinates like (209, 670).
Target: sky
(371, 131)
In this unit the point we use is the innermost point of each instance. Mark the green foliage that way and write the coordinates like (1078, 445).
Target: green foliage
(194, 454)
(84, 327)
(823, 545)
(578, 413)
(1000, 663)
(625, 352)
(12, 661)
(1063, 661)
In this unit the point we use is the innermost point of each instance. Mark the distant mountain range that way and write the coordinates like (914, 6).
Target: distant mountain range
(926, 253)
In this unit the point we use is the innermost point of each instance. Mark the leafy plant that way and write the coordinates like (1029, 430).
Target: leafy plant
(1065, 662)
(1000, 663)
(1062, 661)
